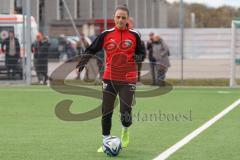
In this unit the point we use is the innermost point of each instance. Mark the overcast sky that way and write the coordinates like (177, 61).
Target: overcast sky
(212, 3)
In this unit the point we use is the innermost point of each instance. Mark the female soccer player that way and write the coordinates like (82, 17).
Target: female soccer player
(123, 50)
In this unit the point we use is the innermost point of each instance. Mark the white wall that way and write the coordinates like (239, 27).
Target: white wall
(198, 43)
(6, 6)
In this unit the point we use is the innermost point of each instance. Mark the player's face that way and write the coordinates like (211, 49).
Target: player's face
(121, 19)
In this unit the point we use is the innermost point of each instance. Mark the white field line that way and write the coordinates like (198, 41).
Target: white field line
(196, 132)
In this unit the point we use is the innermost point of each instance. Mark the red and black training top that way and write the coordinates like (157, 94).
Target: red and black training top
(123, 49)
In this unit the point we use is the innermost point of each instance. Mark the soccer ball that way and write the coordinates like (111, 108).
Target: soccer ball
(112, 146)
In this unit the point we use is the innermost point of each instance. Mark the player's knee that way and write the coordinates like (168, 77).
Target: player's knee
(126, 119)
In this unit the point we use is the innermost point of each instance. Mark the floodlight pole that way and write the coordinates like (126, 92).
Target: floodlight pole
(232, 82)
(24, 41)
(91, 9)
(136, 13)
(152, 12)
(28, 43)
(181, 25)
(105, 13)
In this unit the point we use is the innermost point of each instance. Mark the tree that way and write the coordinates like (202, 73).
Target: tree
(173, 12)
(225, 16)
(205, 17)
(237, 13)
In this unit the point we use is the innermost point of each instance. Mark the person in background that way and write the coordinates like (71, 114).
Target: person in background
(160, 57)
(62, 47)
(40, 50)
(150, 56)
(70, 50)
(80, 50)
(139, 64)
(35, 50)
(11, 47)
(43, 59)
(99, 55)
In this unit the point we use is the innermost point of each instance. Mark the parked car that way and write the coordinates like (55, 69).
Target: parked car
(53, 49)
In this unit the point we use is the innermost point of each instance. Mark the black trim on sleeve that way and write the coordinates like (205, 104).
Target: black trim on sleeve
(140, 52)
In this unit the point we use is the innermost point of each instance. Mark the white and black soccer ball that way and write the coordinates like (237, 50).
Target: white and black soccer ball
(112, 146)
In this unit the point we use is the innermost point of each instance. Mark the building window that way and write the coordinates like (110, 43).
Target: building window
(61, 9)
(41, 10)
(78, 9)
(18, 6)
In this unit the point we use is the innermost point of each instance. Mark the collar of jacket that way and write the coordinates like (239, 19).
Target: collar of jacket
(121, 30)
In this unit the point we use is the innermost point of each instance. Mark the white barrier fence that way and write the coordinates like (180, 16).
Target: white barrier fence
(199, 43)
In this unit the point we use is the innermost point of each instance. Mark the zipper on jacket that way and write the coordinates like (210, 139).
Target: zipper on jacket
(121, 36)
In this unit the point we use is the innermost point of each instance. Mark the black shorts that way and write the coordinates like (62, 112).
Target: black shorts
(110, 91)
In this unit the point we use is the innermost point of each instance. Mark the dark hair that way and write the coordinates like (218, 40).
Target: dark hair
(122, 7)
